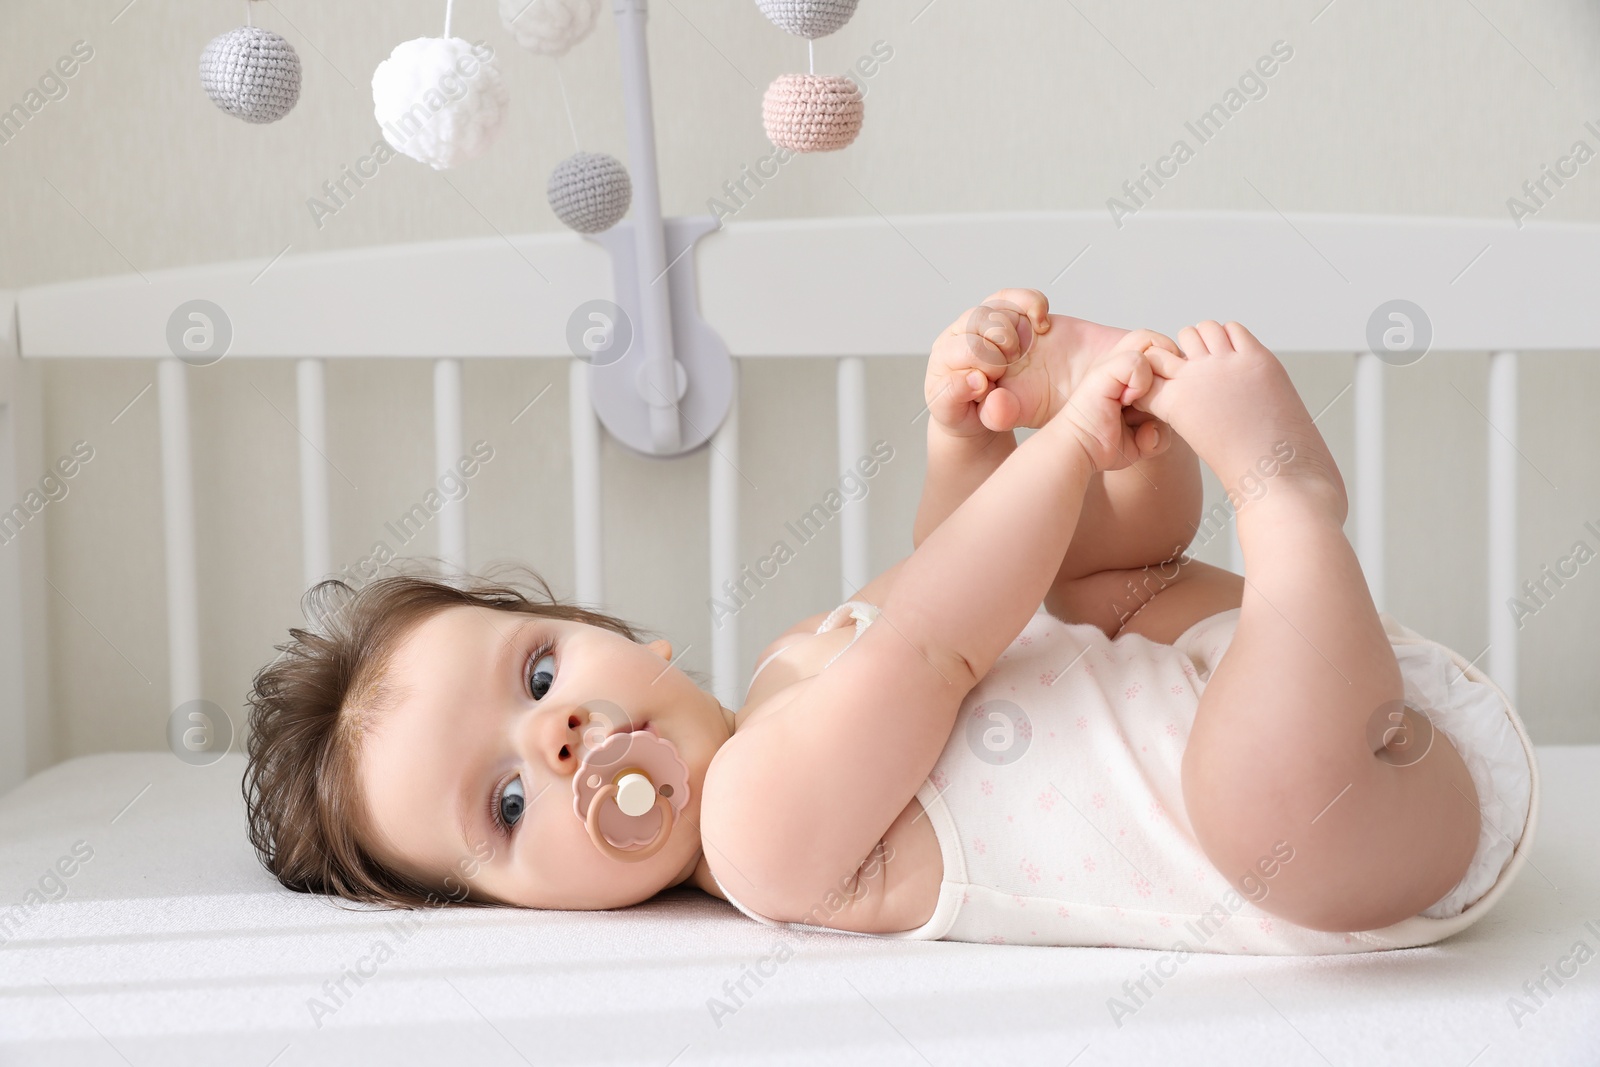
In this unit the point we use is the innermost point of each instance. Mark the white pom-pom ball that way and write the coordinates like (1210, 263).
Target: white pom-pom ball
(440, 100)
(590, 191)
(812, 112)
(808, 18)
(251, 73)
(549, 27)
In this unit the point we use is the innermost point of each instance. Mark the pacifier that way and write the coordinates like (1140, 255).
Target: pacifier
(629, 788)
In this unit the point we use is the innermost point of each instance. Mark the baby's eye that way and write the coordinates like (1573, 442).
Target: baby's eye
(540, 677)
(511, 802)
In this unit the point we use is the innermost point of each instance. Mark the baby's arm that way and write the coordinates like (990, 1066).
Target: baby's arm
(806, 793)
(956, 466)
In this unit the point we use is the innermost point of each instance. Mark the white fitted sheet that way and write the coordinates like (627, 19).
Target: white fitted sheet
(171, 945)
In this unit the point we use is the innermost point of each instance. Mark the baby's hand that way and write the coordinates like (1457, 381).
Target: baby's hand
(980, 347)
(1095, 411)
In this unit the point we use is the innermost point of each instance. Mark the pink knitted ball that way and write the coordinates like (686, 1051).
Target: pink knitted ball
(812, 112)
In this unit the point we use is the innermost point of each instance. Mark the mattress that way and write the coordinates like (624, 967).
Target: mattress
(136, 926)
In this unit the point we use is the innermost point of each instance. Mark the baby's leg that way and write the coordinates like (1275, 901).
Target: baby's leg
(1144, 513)
(1133, 520)
(1280, 750)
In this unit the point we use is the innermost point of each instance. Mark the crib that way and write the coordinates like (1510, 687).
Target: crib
(1303, 283)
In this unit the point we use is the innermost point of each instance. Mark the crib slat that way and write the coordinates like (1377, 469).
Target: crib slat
(316, 554)
(177, 485)
(1502, 665)
(588, 574)
(1370, 456)
(22, 678)
(854, 568)
(13, 661)
(447, 449)
(654, 311)
(726, 674)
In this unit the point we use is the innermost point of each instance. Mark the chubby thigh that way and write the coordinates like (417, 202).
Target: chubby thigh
(1278, 754)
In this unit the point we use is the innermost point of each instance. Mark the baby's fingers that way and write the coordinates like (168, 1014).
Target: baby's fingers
(1139, 340)
(953, 392)
(1166, 364)
(995, 337)
(1122, 376)
(1031, 303)
(1137, 382)
(1152, 438)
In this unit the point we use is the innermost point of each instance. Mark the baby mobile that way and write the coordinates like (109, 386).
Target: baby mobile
(589, 191)
(251, 73)
(811, 112)
(438, 100)
(442, 101)
(254, 74)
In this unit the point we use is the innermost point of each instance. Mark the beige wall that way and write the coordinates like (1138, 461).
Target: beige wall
(1430, 107)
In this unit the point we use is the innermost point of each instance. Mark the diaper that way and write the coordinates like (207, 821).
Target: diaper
(1464, 705)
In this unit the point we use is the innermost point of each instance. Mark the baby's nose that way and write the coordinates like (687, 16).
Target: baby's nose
(595, 721)
(560, 738)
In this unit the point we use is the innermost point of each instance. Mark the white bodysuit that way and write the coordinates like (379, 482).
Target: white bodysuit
(1059, 810)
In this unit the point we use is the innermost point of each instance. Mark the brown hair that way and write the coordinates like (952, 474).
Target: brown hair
(310, 706)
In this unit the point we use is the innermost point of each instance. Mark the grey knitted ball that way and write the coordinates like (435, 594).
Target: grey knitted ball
(808, 18)
(252, 73)
(590, 191)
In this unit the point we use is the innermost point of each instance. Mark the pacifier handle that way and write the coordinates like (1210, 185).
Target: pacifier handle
(592, 823)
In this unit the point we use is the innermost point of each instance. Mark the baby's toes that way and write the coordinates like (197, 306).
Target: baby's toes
(1160, 400)
(1243, 339)
(1215, 337)
(1191, 343)
(1164, 363)
(1139, 340)
(1151, 439)
(1000, 410)
(1245, 343)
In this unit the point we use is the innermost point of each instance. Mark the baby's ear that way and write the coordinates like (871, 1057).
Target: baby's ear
(661, 647)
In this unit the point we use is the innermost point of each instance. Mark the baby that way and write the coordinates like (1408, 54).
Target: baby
(957, 764)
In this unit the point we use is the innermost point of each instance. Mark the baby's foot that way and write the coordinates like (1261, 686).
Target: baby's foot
(1054, 364)
(1233, 402)
(1025, 375)
(1075, 345)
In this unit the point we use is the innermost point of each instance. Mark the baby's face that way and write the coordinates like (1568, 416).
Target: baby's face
(489, 722)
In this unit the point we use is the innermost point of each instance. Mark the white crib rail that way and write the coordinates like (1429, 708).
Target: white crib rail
(586, 476)
(1368, 492)
(316, 527)
(589, 572)
(21, 744)
(1502, 578)
(447, 449)
(763, 284)
(183, 620)
(177, 508)
(855, 570)
(723, 492)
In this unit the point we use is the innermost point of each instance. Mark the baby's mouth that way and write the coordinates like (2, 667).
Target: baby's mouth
(605, 720)
(629, 728)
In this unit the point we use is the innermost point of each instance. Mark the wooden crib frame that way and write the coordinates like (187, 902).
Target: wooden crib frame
(844, 289)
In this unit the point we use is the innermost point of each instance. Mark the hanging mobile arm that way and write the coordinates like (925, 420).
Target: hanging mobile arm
(650, 261)
(673, 387)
